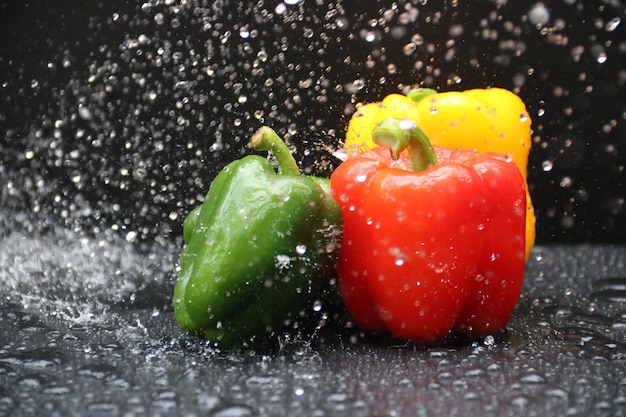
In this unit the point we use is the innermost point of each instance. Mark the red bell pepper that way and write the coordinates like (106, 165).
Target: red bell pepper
(433, 238)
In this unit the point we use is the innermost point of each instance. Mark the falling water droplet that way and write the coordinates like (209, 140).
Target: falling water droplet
(612, 24)
(301, 249)
(547, 165)
(539, 14)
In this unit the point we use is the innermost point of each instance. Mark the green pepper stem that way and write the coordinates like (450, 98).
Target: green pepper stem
(265, 139)
(399, 135)
(419, 94)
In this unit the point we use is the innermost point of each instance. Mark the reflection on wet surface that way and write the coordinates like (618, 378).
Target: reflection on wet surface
(117, 351)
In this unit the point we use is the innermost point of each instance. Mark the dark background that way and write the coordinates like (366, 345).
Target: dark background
(116, 115)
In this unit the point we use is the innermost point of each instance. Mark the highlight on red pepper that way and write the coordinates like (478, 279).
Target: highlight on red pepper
(433, 238)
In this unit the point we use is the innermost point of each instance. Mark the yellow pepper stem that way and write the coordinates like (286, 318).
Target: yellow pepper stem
(419, 94)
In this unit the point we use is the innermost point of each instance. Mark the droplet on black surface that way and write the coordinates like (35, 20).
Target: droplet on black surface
(234, 411)
(97, 371)
(37, 358)
(610, 289)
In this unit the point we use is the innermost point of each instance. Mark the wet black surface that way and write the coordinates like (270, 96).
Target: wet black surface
(115, 350)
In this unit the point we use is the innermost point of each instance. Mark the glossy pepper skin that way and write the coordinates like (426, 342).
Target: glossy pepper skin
(433, 240)
(483, 120)
(257, 251)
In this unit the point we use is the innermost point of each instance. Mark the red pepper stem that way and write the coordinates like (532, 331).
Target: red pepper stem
(399, 135)
(418, 94)
(265, 139)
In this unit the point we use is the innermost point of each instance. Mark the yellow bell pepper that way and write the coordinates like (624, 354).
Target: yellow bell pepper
(485, 120)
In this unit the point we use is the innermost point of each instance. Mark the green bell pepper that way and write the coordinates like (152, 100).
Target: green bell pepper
(258, 251)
